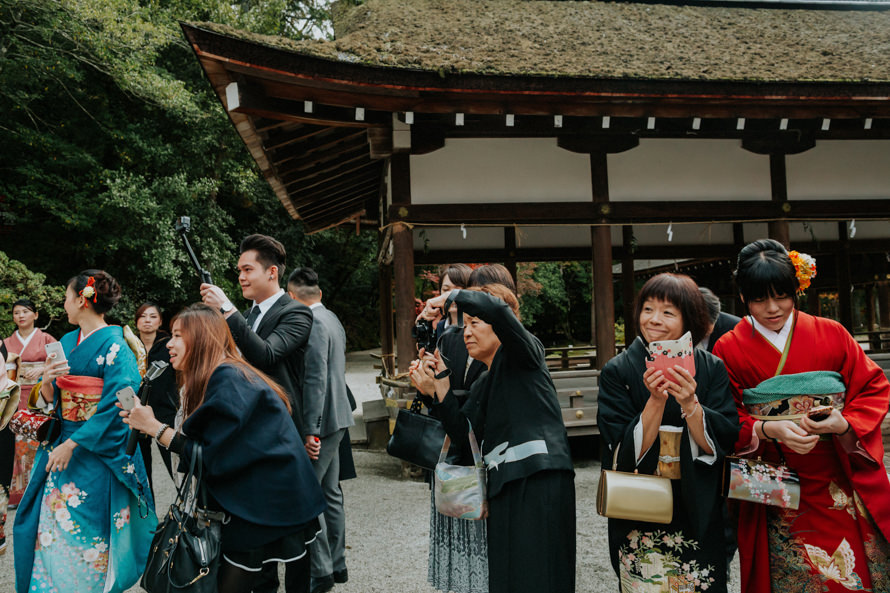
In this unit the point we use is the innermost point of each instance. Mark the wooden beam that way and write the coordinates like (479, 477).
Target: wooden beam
(603, 298)
(322, 182)
(295, 134)
(780, 142)
(481, 212)
(628, 284)
(343, 152)
(778, 229)
(344, 166)
(510, 249)
(596, 143)
(844, 279)
(315, 142)
(357, 195)
(403, 247)
(335, 189)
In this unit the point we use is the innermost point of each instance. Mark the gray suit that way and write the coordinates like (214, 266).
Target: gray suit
(327, 415)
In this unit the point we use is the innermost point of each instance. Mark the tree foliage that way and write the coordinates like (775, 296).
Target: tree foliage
(16, 282)
(111, 131)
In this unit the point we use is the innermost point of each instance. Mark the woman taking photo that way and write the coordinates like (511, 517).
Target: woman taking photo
(164, 394)
(458, 551)
(516, 417)
(255, 466)
(29, 343)
(691, 416)
(837, 539)
(85, 522)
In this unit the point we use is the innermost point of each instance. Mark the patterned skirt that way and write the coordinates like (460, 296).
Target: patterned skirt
(458, 558)
(830, 543)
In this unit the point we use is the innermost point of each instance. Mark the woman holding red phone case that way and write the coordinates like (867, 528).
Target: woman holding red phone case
(837, 539)
(676, 422)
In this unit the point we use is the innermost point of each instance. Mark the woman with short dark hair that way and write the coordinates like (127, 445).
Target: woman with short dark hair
(782, 364)
(680, 423)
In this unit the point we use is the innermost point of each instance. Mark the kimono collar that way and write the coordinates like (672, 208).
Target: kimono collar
(778, 339)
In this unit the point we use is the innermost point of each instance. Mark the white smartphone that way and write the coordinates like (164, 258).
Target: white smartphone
(127, 398)
(56, 348)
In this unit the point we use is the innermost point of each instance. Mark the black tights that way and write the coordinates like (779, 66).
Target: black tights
(232, 579)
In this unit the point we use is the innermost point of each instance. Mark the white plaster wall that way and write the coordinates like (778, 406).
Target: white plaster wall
(688, 169)
(485, 170)
(840, 169)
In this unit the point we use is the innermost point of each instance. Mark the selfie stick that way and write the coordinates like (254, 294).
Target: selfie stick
(183, 226)
(154, 371)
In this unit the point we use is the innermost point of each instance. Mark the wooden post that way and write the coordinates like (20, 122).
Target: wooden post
(510, 248)
(601, 241)
(778, 229)
(883, 304)
(387, 343)
(628, 285)
(844, 279)
(870, 312)
(738, 239)
(403, 259)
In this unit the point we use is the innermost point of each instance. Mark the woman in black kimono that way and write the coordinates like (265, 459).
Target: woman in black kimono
(516, 417)
(641, 410)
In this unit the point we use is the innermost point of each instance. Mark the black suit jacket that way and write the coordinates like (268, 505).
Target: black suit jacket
(277, 347)
(725, 323)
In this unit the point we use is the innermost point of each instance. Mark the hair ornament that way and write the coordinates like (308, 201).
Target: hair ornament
(89, 291)
(805, 268)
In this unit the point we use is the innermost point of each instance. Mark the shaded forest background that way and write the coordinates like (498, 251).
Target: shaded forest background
(110, 131)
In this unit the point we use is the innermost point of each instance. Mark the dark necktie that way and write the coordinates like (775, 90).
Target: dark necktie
(251, 317)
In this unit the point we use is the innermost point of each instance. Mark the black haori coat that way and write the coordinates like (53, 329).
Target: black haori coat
(692, 546)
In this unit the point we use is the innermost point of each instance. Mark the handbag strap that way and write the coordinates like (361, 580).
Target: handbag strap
(474, 447)
(416, 405)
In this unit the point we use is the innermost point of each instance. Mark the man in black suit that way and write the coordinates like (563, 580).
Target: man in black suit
(272, 336)
(720, 322)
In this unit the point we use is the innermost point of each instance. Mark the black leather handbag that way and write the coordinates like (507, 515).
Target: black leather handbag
(417, 438)
(185, 549)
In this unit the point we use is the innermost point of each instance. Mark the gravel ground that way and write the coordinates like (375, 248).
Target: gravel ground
(387, 521)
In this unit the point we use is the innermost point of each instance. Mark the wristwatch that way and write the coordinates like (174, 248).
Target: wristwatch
(226, 307)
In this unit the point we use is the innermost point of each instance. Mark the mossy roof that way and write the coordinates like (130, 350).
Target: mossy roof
(606, 40)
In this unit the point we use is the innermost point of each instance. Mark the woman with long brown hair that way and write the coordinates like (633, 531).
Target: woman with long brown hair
(255, 467)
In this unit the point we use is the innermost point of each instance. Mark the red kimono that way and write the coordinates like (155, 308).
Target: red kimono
(837, 539)
(32, 356)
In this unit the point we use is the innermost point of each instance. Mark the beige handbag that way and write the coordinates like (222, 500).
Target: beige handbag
(9, 401)
(634, 496)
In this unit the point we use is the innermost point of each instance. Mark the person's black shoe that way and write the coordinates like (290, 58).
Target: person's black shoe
(341, 576)
(321, 584)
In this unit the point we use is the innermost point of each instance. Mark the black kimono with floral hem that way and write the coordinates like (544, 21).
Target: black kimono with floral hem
(689, 553)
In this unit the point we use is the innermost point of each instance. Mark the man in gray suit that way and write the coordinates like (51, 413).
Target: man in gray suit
(326, 417)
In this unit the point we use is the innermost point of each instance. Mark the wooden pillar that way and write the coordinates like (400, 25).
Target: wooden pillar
(403, 261)
(387, 337)
(778, 229)
(844, 279)
(603, 302)
(738, 239)
(870, 311)
(628, 285)
(883, 304)
(510, 248)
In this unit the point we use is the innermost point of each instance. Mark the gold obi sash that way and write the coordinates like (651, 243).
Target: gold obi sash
(794, 408)
(80, 396)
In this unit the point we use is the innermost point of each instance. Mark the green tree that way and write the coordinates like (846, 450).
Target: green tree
(111, 131)
(16, 282)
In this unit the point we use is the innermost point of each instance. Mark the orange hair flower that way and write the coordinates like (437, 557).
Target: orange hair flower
(805, 265)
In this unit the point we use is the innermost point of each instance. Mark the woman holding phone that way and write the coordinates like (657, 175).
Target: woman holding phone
(255, 466)
(836, 540)
(679, 424)
(85, 522)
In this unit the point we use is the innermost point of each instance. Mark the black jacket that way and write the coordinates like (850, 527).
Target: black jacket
(513, 407)
(164, 396)
(277, 347)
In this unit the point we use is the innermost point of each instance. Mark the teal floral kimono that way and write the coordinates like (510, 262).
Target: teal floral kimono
(87, 528)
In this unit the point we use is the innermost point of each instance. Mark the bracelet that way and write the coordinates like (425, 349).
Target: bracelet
(161, 432)
(763, 430)
(684, 415)
(849, 426)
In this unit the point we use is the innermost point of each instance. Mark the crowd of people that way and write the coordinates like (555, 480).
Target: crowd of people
(263, 395)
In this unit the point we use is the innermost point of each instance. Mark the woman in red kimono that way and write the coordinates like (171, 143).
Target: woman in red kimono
(29, 343)
(837, 539)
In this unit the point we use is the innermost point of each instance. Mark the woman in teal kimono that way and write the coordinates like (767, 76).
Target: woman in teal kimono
(85, 522)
